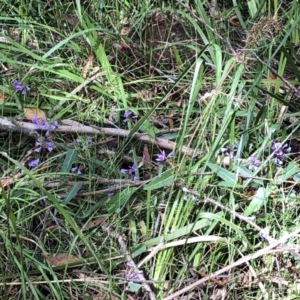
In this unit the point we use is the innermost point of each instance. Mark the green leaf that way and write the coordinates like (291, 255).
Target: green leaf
(287, 173)
(229, 177)
(139, 250)
(258, 200)
(162, 180)
(117, 201)
(229, 184)
(291, 62)
(72, 193)
(296, 177)
(134, 287)
(71, 76)
(68, 162)
(148, 128)
(222, 220)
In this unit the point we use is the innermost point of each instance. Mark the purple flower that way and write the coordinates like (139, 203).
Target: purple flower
(33, 163)
(129, 114)
(49, 146)
(161, 157)
(279, 150)
(124, 171)
(229, 151)
(35, 120)
(110, 194)
(50, 127)
(76, 170)
(131, 170)
(253, 163)
(132, 274)
(19, 88)
(42, 124)
(278, 160)
(38, 146)
(53, 125)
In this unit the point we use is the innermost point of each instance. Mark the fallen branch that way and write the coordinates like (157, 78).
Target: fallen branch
(83, 129)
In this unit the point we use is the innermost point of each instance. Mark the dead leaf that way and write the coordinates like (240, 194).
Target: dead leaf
(71, 20)
(86, 66)
(234, 21)
(94, 223)
(60, 259)
(171, 122)
(145, 95)
(29, 113)
(2, 98)
(124, 21)
(146, 157)
(124, 31)
(6, 181)
(118, 46)
(33, 43)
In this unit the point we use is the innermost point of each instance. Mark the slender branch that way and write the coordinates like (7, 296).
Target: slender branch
(80, 128)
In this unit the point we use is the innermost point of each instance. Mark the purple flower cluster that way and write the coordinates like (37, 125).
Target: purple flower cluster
(229, 151)
(42, 124)
(128, 114)
(33, 163)
(132, 274)
(130, 171)
(76, 170)
(279, 151)
(253, 163)
(48, 145)
(38, 148)
(162, 157)
(19, 88)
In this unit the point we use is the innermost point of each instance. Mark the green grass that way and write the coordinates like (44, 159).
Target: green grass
(196, 83)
